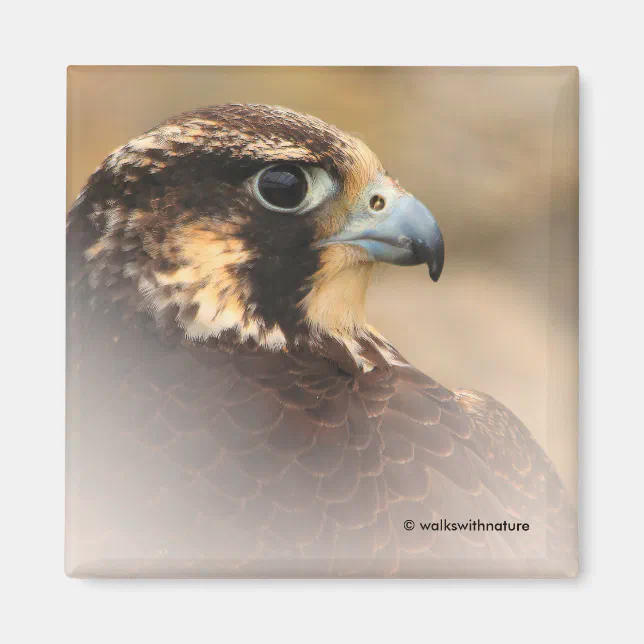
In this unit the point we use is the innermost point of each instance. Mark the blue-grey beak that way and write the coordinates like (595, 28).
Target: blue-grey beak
(405, 234)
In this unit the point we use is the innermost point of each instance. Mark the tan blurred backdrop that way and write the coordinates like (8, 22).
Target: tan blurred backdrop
(491, 151)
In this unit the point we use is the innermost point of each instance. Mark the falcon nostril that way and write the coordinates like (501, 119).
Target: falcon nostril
(377, 203)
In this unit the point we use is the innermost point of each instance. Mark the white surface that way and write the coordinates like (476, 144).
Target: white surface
(39, 41)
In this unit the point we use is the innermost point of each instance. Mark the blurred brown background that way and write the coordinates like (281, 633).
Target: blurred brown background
(491, 151)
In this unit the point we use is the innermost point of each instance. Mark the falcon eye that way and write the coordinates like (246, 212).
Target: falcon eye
(282, 187)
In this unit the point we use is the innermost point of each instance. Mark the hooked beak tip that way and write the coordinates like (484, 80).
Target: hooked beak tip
(437, 260)
(435, 271)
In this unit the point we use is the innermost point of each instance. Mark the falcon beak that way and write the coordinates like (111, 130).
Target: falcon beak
(404, 233)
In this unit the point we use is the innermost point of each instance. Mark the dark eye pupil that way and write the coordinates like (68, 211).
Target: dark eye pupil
(283, 186)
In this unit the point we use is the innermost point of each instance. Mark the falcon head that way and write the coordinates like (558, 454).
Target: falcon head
(250, 222)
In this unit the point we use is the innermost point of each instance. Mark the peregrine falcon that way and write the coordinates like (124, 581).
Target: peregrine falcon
(230, 412)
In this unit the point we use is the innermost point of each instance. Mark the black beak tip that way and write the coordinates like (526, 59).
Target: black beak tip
(435, 270)
(437, 259)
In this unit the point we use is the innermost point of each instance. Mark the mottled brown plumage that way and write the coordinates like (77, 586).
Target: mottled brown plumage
(291, 440)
